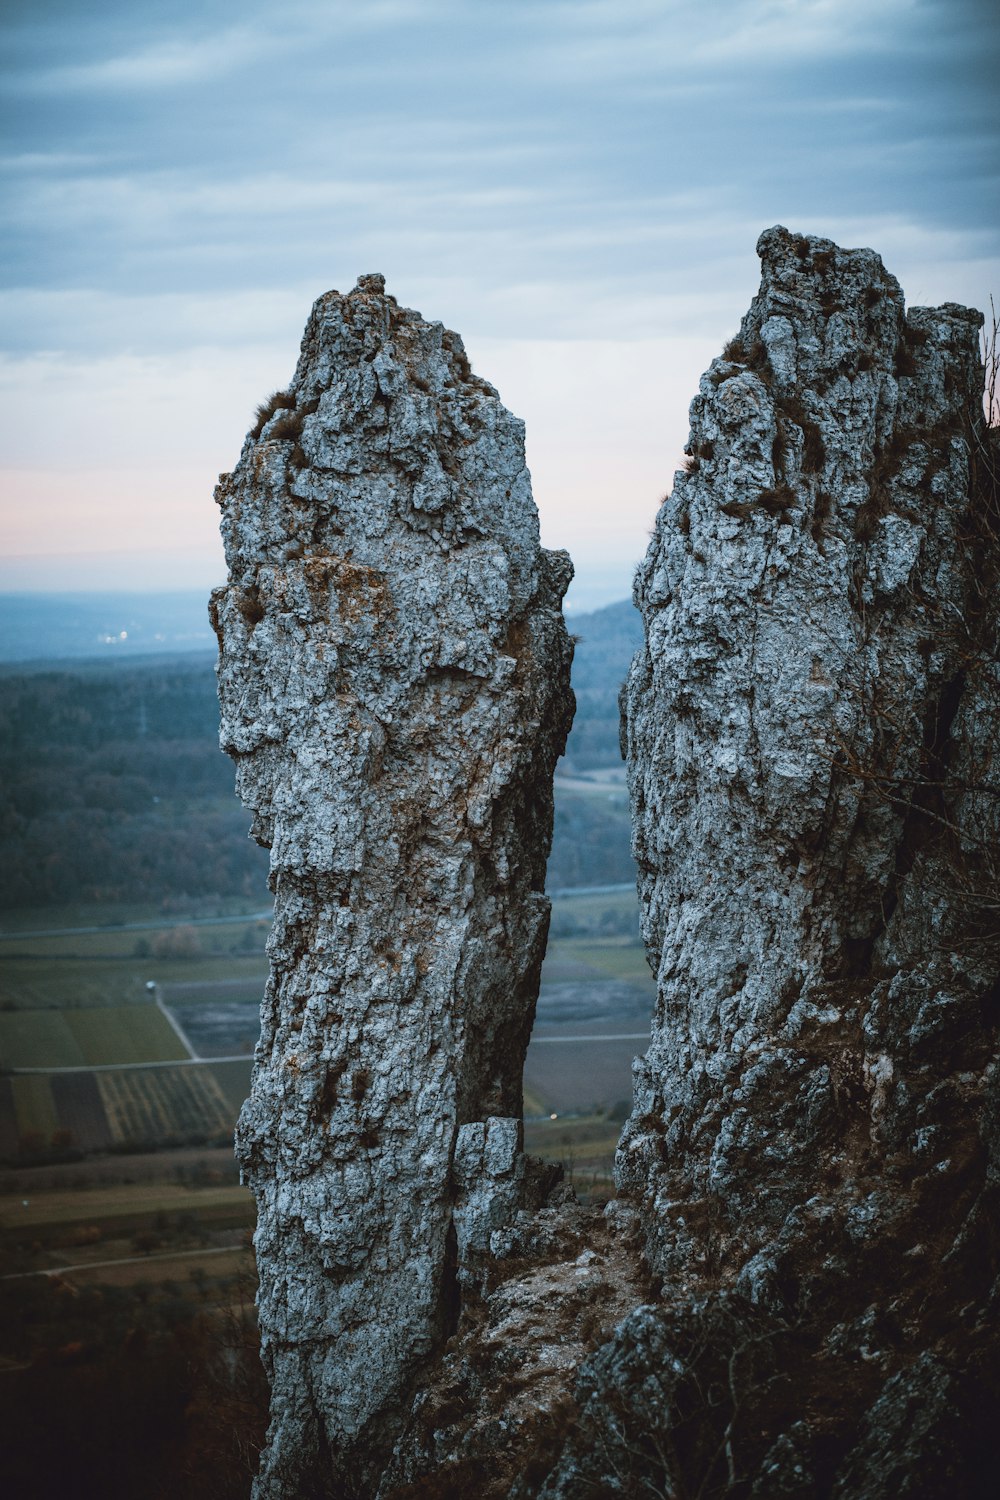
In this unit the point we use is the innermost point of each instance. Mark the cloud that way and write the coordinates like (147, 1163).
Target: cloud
(163, 65)
(683, 48)
(576, 185)
(192, 48)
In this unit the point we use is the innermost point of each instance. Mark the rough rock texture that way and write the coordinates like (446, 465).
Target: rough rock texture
(796, 1293)
(394, 678)
(812, 734)
(491, 1418)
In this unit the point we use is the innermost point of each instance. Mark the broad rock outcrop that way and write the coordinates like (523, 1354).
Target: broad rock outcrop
(812, 733)
(394, 679)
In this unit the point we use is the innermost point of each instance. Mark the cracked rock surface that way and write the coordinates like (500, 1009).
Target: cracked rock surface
(394, 680)
(796, 1292)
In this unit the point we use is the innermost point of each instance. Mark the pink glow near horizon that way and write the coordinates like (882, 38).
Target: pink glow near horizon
(605, 422)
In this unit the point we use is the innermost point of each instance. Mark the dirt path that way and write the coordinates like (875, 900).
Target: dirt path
(124, 1260)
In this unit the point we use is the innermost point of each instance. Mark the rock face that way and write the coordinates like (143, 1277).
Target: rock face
(812, 734)
(394, 679)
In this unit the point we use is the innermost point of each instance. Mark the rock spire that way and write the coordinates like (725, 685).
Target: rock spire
(394, 679)
(795, 1293)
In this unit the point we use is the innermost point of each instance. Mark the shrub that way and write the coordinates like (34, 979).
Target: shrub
(287, 427)
(777, 500)
(267, 409)
(758, 359)
(813, 449)
(821, 513)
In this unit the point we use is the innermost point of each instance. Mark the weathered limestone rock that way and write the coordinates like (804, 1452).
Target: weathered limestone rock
(812, 733)
(490, 1418)
(394, 678)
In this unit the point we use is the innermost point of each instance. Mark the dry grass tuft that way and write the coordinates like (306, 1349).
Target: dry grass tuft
(267, 409)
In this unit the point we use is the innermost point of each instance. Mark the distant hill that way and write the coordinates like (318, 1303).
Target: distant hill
(606, 641)
(113, 788)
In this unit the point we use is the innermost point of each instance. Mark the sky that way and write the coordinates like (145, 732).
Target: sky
(575, 186)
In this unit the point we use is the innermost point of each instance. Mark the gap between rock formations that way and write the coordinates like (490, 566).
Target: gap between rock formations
(795, 1291)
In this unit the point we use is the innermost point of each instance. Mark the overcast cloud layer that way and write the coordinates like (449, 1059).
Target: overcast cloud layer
(575, 187)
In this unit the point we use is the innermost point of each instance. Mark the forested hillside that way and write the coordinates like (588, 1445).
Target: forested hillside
(113, 789)
(606, 640)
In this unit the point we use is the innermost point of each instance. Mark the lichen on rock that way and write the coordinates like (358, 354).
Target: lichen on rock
(394, 680)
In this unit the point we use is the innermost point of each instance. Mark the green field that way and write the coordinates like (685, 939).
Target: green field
(152, 1104)
(128, 1107)
(144, 946)
(233, 1079)
(615, 957)
(79, 1001)
(125, 1206)
(34, 1107)
(61, 982)
(49, 983)
(45, 967)
(125, 1034)
(37, 1039)
(19, 919)
(108, 1035)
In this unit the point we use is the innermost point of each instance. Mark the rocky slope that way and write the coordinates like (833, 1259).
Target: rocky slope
(394, 679)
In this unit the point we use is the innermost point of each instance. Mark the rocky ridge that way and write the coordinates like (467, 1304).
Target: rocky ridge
(394, 681)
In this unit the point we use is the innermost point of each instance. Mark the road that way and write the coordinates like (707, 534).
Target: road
(177, 1062)
(172, 1023)
(160, 926)
(128, 1260)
